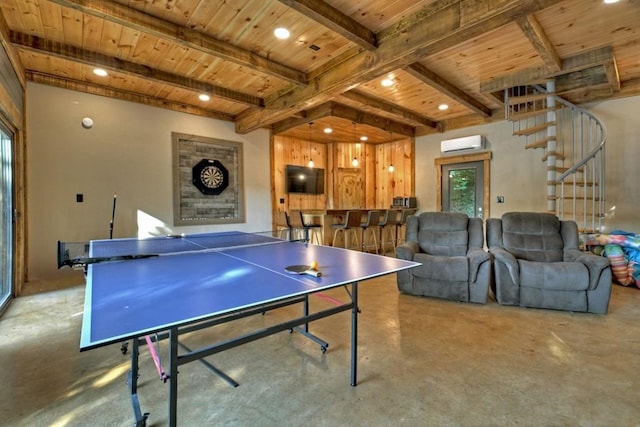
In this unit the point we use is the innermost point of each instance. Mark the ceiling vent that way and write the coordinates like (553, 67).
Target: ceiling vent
(474, 142)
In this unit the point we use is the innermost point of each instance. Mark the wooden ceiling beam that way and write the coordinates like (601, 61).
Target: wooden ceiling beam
(131, 18)
(427, 76)
(310, 115)
(330, 17)
(603, 92)
(334, 109)
(108, 92)
(541, 43)
(72, 53)
(451, 23)
(613, 76)
(464, 122)
(10, 50)
(378, 104)
(361, 117)
(590, 77)
(572, 64)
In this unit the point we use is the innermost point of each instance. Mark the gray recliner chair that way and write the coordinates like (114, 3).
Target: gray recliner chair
(537, 263)
(454, 265)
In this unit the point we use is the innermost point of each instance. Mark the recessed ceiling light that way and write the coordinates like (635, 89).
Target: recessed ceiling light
(328, 130)
(204, 97)
(610, 1)
(364, 138)
(387, 82)
(443, 107)
(100, 72)
(281, 33)
(87, 123)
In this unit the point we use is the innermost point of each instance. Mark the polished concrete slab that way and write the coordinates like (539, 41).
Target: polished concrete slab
(422, 362)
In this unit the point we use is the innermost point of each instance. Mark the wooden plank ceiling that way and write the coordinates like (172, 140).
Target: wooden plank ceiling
(330, 70)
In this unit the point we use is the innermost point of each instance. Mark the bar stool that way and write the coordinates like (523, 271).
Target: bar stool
(283, 226)
(370, 224)
(406, 213)
(308, 231)
(311, 231)
(351, 225)
(388, 227)
(384, 216)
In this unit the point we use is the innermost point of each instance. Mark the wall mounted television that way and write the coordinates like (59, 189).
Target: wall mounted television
(301, 179)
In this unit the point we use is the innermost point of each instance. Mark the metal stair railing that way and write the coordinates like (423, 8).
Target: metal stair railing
(572, 136)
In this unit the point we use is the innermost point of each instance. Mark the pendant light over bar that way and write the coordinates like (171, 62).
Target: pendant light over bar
(391, 168)
(354, 162)
(310, 157)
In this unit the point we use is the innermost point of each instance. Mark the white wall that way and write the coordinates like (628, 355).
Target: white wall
(623, 161)
(519, 174)
(129, 152)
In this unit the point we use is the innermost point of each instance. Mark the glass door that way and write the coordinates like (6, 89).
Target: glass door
(463, 188)
(6, 220)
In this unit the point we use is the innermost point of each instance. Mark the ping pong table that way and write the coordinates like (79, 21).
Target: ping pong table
(163, 287)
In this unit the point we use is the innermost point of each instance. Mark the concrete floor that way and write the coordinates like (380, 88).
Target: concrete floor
(422, 362)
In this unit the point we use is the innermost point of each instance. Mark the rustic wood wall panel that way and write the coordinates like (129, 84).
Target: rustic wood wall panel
(292, 151)
(208, 181)
(379, 186)
(400, 182)
(369, 173)
(11, 90)
(350, 186)
(12, 117)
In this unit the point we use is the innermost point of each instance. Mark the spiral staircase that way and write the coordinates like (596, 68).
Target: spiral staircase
(574, 143)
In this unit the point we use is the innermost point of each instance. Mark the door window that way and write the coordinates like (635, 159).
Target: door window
(462, 188)
(6, 219)
(463, 183)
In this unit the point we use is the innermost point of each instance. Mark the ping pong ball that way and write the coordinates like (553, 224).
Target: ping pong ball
(314, 265)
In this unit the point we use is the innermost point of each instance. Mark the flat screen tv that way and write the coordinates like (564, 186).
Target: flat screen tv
(301, 179)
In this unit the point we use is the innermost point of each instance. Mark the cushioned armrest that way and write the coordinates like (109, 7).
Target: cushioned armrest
(594, 263)
(509, 260)
(476, 257)
(407, 250)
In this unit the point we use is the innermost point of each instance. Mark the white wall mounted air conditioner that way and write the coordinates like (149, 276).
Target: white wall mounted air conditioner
(473, 142)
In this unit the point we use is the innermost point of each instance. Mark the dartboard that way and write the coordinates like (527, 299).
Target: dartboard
(210, 177)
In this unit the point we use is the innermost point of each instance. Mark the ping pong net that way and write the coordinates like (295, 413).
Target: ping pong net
(81, 254)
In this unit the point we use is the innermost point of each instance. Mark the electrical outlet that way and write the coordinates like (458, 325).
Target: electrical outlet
(500, 199)
(79, 198)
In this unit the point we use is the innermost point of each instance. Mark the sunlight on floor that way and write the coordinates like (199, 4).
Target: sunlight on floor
(111, 375)
(63, 421)
(560, 349)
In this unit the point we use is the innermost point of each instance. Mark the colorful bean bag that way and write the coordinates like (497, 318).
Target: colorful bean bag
(623, 250)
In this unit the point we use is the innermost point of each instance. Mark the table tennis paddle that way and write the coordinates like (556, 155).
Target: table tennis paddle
(303, 269)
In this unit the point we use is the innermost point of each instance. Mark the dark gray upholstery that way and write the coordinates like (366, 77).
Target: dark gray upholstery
(454, 265)
(537, 263)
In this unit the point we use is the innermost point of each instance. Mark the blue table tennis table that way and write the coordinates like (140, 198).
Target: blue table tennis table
(164, 287)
